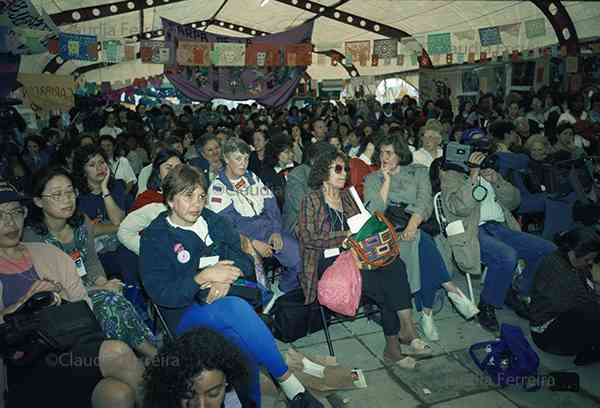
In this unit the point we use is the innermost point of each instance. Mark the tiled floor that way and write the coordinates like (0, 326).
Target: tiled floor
(448, 379)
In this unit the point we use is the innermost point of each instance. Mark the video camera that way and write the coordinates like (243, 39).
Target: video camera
(456, 156)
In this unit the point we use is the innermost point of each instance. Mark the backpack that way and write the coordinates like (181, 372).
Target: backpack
(509, 360)
(292, 319)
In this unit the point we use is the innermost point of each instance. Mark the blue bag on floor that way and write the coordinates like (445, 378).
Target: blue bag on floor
(509, 360)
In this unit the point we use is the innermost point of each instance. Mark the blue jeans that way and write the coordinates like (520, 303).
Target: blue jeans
(501, 248)
(238, 322)
(433, 272)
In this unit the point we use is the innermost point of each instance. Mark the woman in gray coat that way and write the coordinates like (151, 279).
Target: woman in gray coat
(402, 190)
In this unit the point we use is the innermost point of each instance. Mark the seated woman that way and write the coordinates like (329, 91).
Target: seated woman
(565, 148)
(104, 201)
(430, 140)
(55, 220)
(30, 268)
(278, 163)
(402, 190)
(565, 309)
(322, 226)
(208, 364)
(240, 196)
(189, 259)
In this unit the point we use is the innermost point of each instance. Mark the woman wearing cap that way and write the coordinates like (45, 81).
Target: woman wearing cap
(55, 220)
(29, 268)
(189, 259)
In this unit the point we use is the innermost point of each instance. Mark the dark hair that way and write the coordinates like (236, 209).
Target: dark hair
(205, 138)
(315, 149)
(396, 140)
(582, 241)
(35, 218)
(278, 143)
(319, 172)
(170, 377)
(434, 175)
(81, 157)
(182, 178)
(500, 128)
(562, 126)
(161, 157)
(108, 138)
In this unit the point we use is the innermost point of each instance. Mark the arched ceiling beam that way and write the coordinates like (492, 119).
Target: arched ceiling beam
(355, 21)
(561, 22)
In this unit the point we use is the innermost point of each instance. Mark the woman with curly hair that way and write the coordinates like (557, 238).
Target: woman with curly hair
(55, 220)
(322, 227)
(195, 371)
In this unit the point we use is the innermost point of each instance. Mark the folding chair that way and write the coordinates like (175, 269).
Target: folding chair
(443, 223)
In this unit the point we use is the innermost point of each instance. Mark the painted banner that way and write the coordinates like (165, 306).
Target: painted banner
(439, 43)
(47, 92)
(264, 55)
(193, 53)
(360, 50)
(112, 51)
(535, 28)
(298, 55)
(468, 35)
(489, 36)
(156, 52)
(128, 52)
(385, 48)
(228, 54)
(27, 30)
(78, 47)
(268, 85)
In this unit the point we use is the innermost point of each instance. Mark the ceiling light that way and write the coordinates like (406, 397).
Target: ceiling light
(263, 3)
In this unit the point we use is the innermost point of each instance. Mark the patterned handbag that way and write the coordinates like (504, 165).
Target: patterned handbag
(376, 243)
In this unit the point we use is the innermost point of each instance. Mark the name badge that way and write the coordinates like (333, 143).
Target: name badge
(207, 261)
(331, 252)
(78, 261)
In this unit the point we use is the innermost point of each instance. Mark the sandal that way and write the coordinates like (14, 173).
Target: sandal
(417, 347)
(406, 362)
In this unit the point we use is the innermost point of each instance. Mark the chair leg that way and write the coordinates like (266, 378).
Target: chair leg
(470, 286)
(326, 330)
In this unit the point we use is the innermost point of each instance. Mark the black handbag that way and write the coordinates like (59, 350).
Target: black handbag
(398, 216)
(292, 319)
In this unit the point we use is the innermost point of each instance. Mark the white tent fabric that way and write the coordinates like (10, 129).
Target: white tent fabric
(418, 18)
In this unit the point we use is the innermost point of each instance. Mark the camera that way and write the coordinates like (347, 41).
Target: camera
(456, 156)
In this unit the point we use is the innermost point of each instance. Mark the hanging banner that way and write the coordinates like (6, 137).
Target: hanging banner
(78, 47)
(468, 35)
(411, 44)
(400, 60)
(460, 58)
(413, 59)
(512, 30)
(535, 28)
(360, 50)
(193, 53)
(33, 41)
(439, 43)
(47, 92)
(268, 85)
(268, 55)
(298, 55)
(386, 48)
(112, 51)
(228, 54)
(156, 52)
(128, 52)
(489, 36)
(18, 17)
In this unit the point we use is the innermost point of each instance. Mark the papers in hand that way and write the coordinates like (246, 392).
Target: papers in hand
(356, 222)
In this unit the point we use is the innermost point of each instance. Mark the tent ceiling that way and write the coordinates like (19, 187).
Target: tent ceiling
(417, 17)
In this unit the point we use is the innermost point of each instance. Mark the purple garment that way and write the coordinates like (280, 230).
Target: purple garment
(269, 86)
(16, 285)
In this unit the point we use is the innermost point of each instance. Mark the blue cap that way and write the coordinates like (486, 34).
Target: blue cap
(469, 136)
(8, 194)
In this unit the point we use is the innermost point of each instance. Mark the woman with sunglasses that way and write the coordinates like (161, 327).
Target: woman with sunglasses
(189, 258)
(94, 372)
(240, 196)
(55, 220)
(402, 190)
(322, 228)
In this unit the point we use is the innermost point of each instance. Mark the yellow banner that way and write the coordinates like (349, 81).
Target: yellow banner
(47, 92)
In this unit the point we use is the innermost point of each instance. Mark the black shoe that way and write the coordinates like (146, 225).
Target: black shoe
(487, 317)
(520, 307)
(588, 356)
(305, 400)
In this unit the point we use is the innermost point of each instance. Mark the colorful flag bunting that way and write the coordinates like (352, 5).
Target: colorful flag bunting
(229, 54)
(193, 53)
(156, 52)
(298, 54)
(112, 51)
(385, 48)
(360, 50)
(489, 36)
(78, 47)
(268, 55)
(535, 28)
(439, 43)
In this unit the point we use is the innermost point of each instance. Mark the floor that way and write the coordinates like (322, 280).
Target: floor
(448, 379)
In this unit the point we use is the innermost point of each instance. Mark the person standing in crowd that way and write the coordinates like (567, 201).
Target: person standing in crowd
(565, 308)
(257, 156)
(190, 257)
(55, 220)
(240, 196)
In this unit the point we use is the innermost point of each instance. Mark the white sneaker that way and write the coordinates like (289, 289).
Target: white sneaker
(428, 327)
(464, 305)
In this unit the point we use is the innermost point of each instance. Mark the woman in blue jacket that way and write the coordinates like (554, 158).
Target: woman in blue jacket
(189, 259)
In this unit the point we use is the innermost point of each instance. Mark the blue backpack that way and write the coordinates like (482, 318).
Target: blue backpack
(509, 360)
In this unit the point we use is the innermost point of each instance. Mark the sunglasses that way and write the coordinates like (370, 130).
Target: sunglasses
(338, 168)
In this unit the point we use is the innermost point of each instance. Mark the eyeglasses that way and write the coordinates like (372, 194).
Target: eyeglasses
(56, 197)
(338, 168)
(16, 215)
